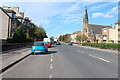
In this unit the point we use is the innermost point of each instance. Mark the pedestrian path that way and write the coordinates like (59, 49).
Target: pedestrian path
(8, 58)
(107, 50)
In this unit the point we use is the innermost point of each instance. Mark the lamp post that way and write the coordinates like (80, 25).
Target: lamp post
(81, 37)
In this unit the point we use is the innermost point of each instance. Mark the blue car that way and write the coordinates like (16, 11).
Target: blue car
(70, 43)
(39, 47)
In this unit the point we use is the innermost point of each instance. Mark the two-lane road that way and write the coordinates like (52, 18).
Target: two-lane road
(65, 61)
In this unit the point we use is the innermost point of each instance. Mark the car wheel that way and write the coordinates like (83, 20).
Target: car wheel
(46, 51)
(32, 53)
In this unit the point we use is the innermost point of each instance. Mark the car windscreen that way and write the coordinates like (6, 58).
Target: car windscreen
(38, 44)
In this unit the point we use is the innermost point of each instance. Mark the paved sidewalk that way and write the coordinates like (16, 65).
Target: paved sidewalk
(88, 47)
(12, 56)
(107, 50)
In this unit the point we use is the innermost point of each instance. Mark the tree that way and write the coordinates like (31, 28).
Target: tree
(20, 35)
(40, 33)
(78, 37)
(84, 38)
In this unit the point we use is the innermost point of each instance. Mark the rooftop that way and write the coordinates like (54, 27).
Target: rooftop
(9, 11)
(99, 25)
(117, 21)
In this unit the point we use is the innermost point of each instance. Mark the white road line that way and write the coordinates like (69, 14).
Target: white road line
(103, 59)
(92, 56)
(51, 54)
(50, 76)
(99, 58)
(51, 59)
(51, 66)
(80, 51)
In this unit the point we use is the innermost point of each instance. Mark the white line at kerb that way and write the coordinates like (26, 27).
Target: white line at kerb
(99, 58)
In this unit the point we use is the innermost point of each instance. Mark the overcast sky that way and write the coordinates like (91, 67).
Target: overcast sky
(66, 17)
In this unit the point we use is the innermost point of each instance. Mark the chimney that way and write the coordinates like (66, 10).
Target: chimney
(22, 14)
(5, 7)
(16, 9)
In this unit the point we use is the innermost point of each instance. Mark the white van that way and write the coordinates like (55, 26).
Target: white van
(47, 40)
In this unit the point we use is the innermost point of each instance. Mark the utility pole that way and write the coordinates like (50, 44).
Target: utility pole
(81, 37)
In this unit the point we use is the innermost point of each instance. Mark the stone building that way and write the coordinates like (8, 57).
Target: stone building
(92, 31)
(74, 35)
(112, 35)
(7, 23)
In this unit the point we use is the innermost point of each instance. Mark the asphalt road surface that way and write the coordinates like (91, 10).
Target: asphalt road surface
(65, 61)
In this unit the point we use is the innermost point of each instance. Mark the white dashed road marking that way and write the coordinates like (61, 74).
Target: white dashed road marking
(80, 51)
(51, 66)
(103, 59)
(99, 58)
(50, 76)
(51, 59)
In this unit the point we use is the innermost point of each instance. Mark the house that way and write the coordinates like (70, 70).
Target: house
(68, 37)
(112, 35)
(7, 23)
(92, 31)
(74, 35)
(17, 18)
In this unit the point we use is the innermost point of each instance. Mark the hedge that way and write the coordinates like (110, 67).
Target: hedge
(103, 45)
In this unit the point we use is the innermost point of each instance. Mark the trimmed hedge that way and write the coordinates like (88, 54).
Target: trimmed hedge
(103, 45)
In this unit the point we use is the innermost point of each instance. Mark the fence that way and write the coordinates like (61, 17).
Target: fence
(9, 46)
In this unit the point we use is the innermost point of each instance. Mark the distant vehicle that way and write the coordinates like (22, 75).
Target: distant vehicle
(48, 44)
(46, 40)
(39, 47)
(70, 43)
(55, 40)
(58, 43)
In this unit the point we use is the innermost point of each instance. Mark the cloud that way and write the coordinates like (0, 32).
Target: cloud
(109, 14)
(43, 22)
(99, 6)
(100, 15)
(59, 0)
(57, 28)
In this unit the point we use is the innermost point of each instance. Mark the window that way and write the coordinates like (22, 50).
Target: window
(105, 30)
(13, 15)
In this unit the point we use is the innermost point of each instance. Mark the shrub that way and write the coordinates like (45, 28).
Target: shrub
(10, 40)
(103, 45)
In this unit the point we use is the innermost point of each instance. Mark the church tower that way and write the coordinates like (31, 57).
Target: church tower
(85, 23)
(85, 19)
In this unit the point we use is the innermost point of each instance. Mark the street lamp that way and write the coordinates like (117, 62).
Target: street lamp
(81, 37)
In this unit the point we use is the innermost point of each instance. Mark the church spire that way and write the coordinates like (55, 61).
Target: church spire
(85, 19)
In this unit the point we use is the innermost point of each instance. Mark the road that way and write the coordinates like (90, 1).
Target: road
(65, 61)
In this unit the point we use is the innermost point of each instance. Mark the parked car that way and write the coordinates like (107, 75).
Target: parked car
(58, 43)
(48, 44)
(70, 43)
(39, 47)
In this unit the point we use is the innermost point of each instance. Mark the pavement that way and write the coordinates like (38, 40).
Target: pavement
(66, 61)
(107, 50)
(11, 57)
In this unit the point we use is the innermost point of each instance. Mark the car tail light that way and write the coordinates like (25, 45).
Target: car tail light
(42, 44)
(32, 44)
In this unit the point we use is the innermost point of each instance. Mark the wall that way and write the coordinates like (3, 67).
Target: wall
(3, 25)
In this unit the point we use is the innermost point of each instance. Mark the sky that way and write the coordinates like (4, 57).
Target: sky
(59, 18)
